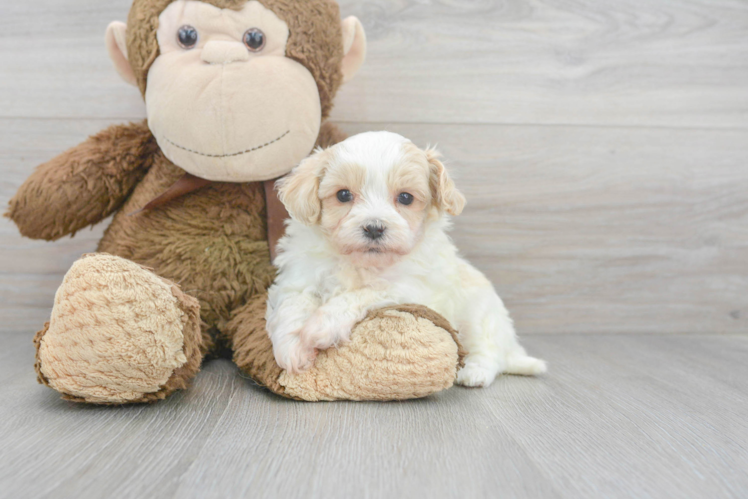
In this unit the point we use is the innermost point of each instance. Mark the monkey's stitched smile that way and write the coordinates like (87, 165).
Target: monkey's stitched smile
(231, 154)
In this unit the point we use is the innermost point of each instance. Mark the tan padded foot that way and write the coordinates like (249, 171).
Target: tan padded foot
(401, 352)
(118, 334)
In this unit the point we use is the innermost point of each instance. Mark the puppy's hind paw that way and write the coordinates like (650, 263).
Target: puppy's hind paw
(476, 375)
(526, 365)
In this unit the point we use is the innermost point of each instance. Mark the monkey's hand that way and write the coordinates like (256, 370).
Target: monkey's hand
(85, 184)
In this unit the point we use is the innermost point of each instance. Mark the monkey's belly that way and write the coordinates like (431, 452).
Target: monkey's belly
(212, 242)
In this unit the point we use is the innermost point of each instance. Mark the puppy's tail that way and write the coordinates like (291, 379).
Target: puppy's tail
(520, 363)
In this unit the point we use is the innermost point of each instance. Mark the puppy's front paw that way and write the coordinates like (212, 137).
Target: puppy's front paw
(295, 356)
(477, 373)
(323, 330)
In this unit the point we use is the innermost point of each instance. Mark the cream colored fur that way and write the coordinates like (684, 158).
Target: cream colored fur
(225, 113)
(332, 273)
(260, 129)
(115, 333)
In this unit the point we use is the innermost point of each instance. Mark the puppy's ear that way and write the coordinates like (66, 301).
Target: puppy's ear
(443, 190)
(299, 191)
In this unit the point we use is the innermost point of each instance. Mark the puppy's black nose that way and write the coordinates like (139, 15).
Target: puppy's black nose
(374, 231)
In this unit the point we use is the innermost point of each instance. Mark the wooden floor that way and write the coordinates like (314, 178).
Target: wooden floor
(619, 416)
(603, 149)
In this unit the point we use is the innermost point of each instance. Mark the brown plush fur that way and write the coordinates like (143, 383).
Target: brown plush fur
(72, 191)
(253, 351)
(315, 38)
(329, 135)
(37, 363)
(210, 244)
(85, 184)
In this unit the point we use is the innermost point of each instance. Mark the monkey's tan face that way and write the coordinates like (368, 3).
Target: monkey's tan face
(224, 103)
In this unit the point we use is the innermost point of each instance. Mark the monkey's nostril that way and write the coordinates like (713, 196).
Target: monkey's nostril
(374, 231)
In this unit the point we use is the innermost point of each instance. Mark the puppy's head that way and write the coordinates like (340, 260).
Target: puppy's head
(372, 195)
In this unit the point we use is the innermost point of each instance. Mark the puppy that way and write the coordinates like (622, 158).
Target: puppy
(368, 229)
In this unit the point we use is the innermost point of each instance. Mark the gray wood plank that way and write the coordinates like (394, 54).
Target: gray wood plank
(31, 271)
(618, 416)
(665, 63)
(53, 61)
(647, 418)
(618, 206)
(613, 62)
(604, 230)
(582, 229)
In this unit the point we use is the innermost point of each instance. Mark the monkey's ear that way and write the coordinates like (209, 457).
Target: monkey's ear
(354, 47)
(299, 190)
(116, 44)
(443, 190)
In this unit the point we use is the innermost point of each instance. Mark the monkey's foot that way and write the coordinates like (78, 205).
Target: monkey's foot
(118, 334)
(400, 352)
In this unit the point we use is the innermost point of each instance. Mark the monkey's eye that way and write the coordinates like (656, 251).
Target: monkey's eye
(344, 196)
(187, 37)
(254, 39)
(405, 198)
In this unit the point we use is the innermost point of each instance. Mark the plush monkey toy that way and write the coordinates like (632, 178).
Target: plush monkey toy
(237, 93)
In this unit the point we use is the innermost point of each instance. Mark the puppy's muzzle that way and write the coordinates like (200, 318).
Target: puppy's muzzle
(374, 230)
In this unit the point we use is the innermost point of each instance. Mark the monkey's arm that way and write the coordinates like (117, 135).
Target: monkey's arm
(85, 184)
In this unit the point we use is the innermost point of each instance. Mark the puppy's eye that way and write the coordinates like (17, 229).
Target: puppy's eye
(344, 196)
(405, 198)
(187, 37)
(254, 39)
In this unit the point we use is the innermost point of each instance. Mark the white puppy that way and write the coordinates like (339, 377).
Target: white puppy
(368, 230)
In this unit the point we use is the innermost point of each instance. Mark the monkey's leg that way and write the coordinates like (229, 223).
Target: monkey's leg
(400, 352)
(119, 334)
